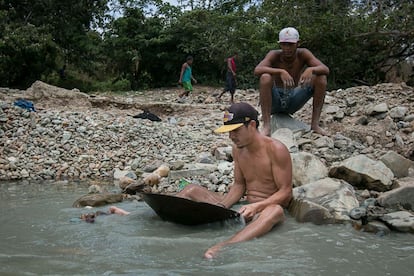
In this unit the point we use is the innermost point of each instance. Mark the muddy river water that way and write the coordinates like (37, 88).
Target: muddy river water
(41, 235)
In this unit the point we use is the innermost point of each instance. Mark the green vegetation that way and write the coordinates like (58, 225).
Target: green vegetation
(121, 45)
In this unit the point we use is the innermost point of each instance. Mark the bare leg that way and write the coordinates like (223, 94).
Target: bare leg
(221, 94)
(268, 218)
(318, 99)
(265, 91)
(200, 194)
(118, 211)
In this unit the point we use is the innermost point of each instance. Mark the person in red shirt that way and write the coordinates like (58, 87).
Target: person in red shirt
(230, 78)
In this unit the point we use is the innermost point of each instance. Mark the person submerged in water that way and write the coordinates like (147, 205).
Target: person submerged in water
(90, 217)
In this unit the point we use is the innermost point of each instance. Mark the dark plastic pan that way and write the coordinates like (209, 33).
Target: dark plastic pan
(184, 211)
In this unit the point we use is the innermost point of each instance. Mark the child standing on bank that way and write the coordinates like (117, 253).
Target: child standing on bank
(186, 77)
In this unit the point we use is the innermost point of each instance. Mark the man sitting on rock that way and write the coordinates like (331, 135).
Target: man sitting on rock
(289, 78)
(262, 173)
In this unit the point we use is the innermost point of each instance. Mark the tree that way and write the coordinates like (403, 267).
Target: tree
(59, 27)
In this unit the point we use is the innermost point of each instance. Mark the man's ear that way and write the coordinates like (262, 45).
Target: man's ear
(252, 123)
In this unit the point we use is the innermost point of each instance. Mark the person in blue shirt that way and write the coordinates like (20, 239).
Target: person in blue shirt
(186, 76)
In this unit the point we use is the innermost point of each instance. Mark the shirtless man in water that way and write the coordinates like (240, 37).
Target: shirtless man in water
(289, 78)
(262, 172)
(90, 217)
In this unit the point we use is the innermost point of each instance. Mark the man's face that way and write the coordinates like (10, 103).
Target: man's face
(288, 49)
(241, 135)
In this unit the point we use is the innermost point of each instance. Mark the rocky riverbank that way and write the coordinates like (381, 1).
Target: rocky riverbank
(74, 136)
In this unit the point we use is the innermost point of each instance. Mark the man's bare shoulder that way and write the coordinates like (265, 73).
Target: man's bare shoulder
(274, 53)
(304, 53)
(276, 148)
(271, 140)
(303, 50)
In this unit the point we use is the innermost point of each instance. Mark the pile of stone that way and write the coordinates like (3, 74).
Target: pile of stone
(361, 173)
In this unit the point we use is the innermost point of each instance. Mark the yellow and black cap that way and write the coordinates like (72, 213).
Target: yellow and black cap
(237, 115)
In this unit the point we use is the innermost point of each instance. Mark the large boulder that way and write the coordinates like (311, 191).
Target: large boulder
(95, 200)
(400, 197)
(398, 164)
(324, 201)
(402, 221)
(307, 168)
(364, 173)
(285, 135)
(46, 94)
(281, 120)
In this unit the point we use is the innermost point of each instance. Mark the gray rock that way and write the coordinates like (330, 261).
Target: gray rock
(406, 181)
(376, 227)
(402, 221)
(357, 213)
(324, 142)
(187, 173)
(331, 199)
(285, 135)
(97, 200)
(118, 174)
(281, 120)
(400, 197)
(307, 211)
(398, 164)
(225, 167)
(363, 172)
(376, 109)
(206, 158)
(369, 202)
(409, 118)
(223, 153)
(307, 168)
(398, 112)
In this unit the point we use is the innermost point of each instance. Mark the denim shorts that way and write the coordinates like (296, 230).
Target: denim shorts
(230, 83)
(290, 100)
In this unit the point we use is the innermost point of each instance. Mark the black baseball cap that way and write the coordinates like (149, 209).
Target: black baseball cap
(237, 115)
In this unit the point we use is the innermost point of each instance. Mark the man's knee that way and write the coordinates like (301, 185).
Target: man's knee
(320, 81)
(266, 79)
(274, 213)
(191, 187)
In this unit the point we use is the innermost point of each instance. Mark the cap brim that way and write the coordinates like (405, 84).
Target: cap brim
(288, 40)
(227, 128)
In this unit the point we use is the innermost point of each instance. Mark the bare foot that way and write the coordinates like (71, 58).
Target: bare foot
(118, 211)
(320, 131)
(213, 251)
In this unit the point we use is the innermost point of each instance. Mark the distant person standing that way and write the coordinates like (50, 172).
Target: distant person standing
(230, 78)
(186, 76)
(62, 73)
